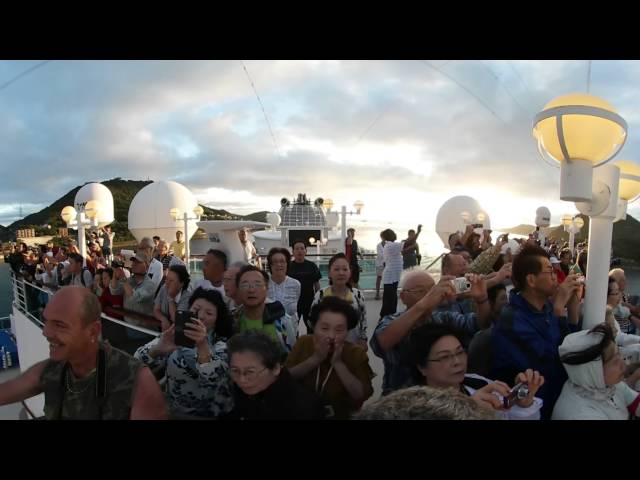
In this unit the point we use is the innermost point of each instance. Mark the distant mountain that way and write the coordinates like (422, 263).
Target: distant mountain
(625, 241)
(123, 192)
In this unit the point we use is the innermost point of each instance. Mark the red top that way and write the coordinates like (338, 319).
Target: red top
(347, 251)
(109, 300)
(561, 276)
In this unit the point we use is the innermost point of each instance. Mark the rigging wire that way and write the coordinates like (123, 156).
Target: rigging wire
(23, 74)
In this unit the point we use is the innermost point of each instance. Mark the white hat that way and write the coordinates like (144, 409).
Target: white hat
(554, 260)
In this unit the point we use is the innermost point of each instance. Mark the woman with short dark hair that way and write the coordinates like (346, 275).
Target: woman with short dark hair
(263, 389)
(440, 361)
(282, 287)
(327, 364)
(197, 377)
(173, 296)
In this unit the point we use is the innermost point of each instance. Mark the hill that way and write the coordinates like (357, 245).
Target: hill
(123, 192)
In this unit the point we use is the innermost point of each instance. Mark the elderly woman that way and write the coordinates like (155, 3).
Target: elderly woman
(263, 389)
(283, 288)
(197, 378)
(595, 389)
(440, 361)
(327, 364)
(339, 275)
(174, 295)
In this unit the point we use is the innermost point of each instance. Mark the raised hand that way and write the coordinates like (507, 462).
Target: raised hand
(534, 381)
(196, 331)
(489, 395)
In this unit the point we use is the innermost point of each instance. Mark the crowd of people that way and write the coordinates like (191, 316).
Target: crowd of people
(497, 336)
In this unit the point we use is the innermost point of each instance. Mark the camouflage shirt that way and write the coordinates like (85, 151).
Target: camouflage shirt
(68, 398)
(199, 389)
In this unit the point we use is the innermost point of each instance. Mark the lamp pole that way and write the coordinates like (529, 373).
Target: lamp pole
(82, 242)
(344, 229)
(606, 179)
(186, 240)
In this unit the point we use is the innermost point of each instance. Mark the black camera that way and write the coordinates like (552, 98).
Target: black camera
(117, 264)
(183, 317)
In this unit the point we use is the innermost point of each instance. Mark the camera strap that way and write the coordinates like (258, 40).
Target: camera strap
(101, 384)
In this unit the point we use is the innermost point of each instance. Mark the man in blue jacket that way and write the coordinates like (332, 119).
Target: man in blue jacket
(532, 326)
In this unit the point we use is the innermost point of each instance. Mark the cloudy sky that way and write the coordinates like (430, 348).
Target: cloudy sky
(402, 136)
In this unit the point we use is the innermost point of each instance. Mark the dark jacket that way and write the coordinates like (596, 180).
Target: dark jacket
(285, 399)
(526, 338)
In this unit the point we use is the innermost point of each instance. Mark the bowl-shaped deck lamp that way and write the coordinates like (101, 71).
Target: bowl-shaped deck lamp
(567, 219)
(328, 204)
(579, 132)
(175, 213)
(629, 187)
(68, 214)
(198, 211)
(578, 223)
(358, 205)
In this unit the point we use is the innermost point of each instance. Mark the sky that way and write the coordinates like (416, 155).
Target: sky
(401, 136)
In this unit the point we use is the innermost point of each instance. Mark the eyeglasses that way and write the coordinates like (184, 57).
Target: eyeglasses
(449, 359)
(249, 285)
(551, 272)
(249, 374)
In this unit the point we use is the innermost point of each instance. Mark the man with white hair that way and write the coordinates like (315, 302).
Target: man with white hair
(618, 275)
(154, 272)
(422, 296)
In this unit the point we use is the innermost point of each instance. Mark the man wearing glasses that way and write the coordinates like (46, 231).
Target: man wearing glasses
(256, 314)
(540, 313)
(422, 295)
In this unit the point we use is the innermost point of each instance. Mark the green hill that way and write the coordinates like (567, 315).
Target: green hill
(123, 192)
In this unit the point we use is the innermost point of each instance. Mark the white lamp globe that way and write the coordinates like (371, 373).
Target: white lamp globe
(99, 193)
(543, 217)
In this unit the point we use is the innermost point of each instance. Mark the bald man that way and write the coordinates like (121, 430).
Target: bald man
(422, 296)
(85, 379)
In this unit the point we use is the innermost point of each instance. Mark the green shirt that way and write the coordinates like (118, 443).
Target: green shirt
(247, 324)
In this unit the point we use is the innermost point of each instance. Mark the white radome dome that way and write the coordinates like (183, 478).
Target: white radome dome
(149, 211)
(458, 212)
(273, 219)
(99, 192)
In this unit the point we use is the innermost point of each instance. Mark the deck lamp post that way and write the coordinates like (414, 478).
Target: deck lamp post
(358, 205)
(86, 216)
(573, 226)
(583, 132)
(177, 215)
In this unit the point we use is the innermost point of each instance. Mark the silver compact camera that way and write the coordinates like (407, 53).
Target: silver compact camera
(519, 392)
(461, 285)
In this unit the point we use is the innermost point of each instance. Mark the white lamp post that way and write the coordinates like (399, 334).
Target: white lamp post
(358, 205)
(85, 216)
(176, 214)
(582, 132)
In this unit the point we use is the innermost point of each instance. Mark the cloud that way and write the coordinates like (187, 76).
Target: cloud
(343, 128)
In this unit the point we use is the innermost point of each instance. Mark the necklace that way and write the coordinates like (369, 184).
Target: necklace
(326, 379)
(69, 381)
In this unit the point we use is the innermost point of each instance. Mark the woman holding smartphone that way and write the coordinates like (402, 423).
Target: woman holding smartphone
(198, 377)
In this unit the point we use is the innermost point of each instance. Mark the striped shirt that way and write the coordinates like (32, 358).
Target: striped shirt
(392, 254)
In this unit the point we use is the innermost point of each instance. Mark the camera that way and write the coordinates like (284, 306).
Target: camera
(183, 317)
(477, 225)
(580, 280)
(461, 285)
(519, 392)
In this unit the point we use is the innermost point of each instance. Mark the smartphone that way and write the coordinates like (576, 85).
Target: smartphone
(477, 225)
(520, 391)
(461, 285)
(183, 317)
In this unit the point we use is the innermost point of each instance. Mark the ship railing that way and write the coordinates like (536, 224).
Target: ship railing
(124, 329)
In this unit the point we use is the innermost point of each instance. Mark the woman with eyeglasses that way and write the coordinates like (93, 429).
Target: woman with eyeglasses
(339, 275)
(440, 361)
(282, 287)
(595, 389)
(197, 378)
(263, 389)
(327, 364)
